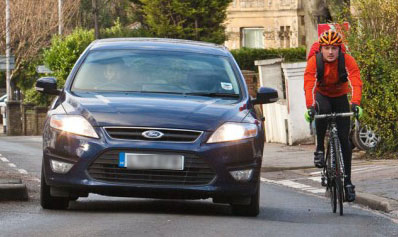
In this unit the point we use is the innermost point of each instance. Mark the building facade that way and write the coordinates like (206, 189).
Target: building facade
(265, 24)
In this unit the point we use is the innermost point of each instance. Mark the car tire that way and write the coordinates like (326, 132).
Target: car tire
(49, 202)
(364, 138)
(252, 209)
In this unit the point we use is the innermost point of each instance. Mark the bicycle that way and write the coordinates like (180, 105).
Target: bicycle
(333, 174)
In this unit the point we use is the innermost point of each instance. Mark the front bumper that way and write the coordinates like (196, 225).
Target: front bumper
(218, 158)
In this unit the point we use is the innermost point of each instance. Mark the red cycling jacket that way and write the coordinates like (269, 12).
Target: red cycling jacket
(331, 86)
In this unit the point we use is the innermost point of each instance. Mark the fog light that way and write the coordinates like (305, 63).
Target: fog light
(60, 167)
(242, 175)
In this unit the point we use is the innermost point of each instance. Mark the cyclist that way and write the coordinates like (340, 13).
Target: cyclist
(327, 80)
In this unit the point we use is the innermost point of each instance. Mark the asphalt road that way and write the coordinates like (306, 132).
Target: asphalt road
(284, 212)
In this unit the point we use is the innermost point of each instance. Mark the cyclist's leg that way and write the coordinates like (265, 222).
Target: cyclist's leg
(322, 107)
(341, 105)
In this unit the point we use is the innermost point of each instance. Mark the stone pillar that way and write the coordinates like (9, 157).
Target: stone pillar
(14, 118)
(298, 128)
(271, 75)
(275, 114)
(27, 119)
(41, 115)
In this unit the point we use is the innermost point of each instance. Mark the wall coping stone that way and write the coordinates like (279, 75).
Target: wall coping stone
(294, 65)
(267, 61)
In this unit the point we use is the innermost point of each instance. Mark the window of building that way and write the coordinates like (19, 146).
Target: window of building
(253, 37)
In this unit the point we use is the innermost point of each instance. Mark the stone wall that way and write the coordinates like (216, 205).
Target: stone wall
(33, 118)
(24, 119)
(252, 82)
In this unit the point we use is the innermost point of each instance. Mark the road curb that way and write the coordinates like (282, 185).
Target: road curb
(376, 202)
(13, 190)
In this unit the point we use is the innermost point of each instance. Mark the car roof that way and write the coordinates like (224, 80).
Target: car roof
(160, 44)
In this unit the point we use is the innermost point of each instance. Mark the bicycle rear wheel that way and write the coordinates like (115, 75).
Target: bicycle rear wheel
(339, 180)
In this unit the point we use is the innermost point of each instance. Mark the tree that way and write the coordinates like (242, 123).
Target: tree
(316, 12)
(32, 25)
(107, 12)
(186, 19)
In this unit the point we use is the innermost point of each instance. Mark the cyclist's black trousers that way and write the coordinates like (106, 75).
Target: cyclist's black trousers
(326, 105)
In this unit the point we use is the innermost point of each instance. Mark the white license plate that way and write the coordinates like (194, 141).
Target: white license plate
(151, 161)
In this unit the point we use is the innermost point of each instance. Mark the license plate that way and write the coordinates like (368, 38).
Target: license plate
(151, 161)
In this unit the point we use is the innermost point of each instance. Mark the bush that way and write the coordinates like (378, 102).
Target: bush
(373, 42)
(245, 57)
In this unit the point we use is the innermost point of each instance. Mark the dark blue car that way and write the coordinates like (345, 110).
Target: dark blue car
(154, 118)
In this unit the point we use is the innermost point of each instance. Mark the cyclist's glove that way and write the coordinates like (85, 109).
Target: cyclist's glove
(357, 110)
(309, 114)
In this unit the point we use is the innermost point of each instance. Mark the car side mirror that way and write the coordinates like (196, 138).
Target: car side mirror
(47, 85)
(266, 95)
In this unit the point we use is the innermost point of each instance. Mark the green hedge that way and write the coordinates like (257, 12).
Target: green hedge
(373, 43)
(246, 56)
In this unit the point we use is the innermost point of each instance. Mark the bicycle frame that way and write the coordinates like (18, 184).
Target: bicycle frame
(334, 168)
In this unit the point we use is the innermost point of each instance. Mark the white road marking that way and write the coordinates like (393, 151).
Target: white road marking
(267, 180)
(12, 165)
(364, 169)
(316, 190)
(315, 173)
(4, 159)
(316, 179)
(370, 170)
(292, 184)
(22, 171)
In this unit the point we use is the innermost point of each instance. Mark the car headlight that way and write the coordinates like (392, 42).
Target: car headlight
(73, 124)
(233, 131)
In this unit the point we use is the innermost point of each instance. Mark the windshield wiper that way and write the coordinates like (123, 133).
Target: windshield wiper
(163, 92)
(214, 94)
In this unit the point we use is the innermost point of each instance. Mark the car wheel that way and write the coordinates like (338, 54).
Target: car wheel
(352, 132)
(365, 138)
(49, 202)
(252, 209)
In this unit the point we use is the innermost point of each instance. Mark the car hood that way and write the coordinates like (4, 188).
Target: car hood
(154, 110)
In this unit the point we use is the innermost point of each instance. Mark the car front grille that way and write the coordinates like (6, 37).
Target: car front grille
(196, 172)
(170, 135)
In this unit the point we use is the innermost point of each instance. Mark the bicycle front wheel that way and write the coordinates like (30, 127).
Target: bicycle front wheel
(331, 184)
(339, 179)
(333, 196)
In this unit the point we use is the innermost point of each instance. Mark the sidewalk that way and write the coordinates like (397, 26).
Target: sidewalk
(11, 186)
(376, 180)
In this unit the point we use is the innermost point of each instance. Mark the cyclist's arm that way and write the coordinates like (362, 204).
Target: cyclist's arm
(354, 78)
(310, 82)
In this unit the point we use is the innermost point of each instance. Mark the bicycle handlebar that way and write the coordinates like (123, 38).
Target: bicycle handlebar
(319, 116)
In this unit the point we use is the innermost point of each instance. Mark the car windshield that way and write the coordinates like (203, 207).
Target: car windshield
(156, 72)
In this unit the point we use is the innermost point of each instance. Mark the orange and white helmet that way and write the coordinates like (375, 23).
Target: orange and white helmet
(330, 37)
